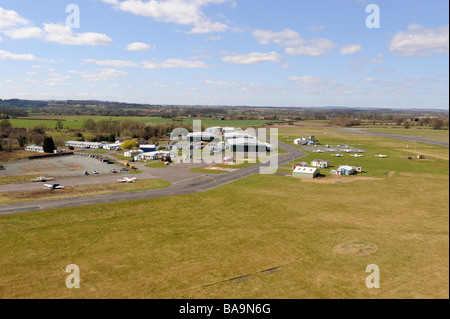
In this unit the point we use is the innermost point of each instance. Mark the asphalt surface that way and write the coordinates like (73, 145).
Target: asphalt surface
(400, 137)
(191, 185)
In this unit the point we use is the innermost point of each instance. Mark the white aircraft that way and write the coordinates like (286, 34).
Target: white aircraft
(381, 156)
(347, 151)
(53, 186)
(319, 151)
(356, 155)
(127, 180)
(42, 179)
(337, 155)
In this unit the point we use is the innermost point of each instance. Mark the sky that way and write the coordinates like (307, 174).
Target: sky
(302, 53)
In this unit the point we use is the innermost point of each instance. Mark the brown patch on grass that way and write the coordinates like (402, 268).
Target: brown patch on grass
(356, 248)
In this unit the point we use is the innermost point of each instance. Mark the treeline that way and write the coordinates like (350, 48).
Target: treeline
(15, 138)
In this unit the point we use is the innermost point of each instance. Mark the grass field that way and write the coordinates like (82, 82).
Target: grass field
(88, 190)
(194, 246)
(76, 122)
(207, 171)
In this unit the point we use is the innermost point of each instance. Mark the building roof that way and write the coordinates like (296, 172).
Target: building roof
(306, 170)
(320, 160)
(246, 141)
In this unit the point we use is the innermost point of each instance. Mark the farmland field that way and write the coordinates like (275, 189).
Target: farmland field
(76, 122)
(194, 246)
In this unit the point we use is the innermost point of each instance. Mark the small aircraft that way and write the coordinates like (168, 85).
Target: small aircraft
(319, 151)
(356, 155)
(347, 151)
(337, 155)
(42, 179)
(381, 156)
(127, 180)
(95, 172)
(53, 186)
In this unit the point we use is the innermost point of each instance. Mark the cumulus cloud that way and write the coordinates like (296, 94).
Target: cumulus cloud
(175, 64)
(10, 18)
(420, 41)
(139, 46)
(112, 63)
(104, 74)
(6, 55)
(351, 49)
(310, 80)
(16, 27)
(253, 58)
(183, 12)
(294, 43)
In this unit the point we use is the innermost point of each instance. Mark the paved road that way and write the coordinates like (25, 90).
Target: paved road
(195, 184)
(401, 137)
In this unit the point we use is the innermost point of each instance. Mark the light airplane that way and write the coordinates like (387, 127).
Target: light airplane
(53, 186)
(347, 151)
(356, 155)
(42, 179)
(381, 156)
(337, 155)
(127, 180)
(319, 151)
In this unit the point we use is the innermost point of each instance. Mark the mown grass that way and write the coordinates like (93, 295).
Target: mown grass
(176, 248)
(190, 246)
(16, 179)
(88, 190)
(157, 164)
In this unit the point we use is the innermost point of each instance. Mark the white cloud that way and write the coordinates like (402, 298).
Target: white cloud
(419, 41)
(100, 74)
(10, 18)
(294, 43)
(183, 12)
(139, 46)
(351, 49)
(253, 58)
(310, 80)
(65, 35)
(112, 63)
(25, 33)
(175, 63)
(6, 55)
(316, 28)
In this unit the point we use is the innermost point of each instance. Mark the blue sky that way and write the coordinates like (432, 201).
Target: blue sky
(228, 52)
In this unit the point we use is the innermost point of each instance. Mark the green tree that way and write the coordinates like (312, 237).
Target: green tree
(130, 144)
(5, 124)
(22, 139)
(59, 125)
(49, 145)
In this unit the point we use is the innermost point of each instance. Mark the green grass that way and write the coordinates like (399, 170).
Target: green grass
(16, 179)
(157, 164)
(76, 122)
(422, 132)
(87, 190)
(190, 246)
(175, 248)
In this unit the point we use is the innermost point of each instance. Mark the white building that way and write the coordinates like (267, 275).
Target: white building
(320, 163)
(79, 144)
(246, 145)
(235, 135)
(113, 147)
(306, 172)
(132, 153)
(34, 148)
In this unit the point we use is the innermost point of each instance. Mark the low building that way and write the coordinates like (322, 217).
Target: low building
(306, 172)
(200, 137)
(346, 170)
(34, 148)
(301, 164)
(80, 144)
(154, 155)
(320, 163)
(246, 145)
(146, 148)
(113, 147)
(306, 141)
(132, 153)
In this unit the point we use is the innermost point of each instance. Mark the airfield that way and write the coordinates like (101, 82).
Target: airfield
(241, 234)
